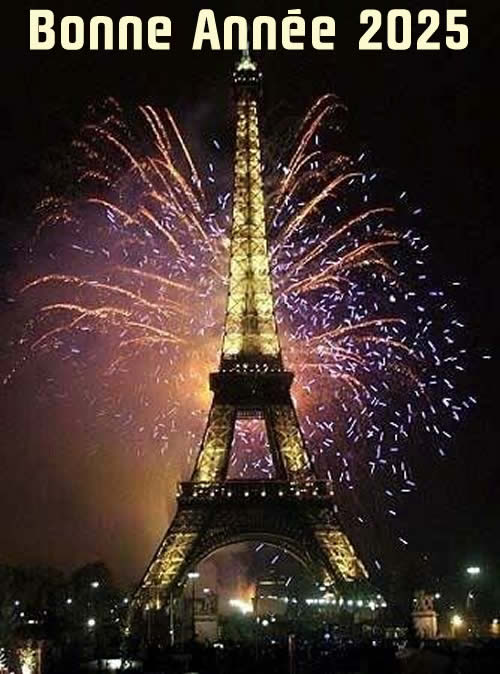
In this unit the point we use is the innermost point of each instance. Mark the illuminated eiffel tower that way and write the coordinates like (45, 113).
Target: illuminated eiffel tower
(294, 511)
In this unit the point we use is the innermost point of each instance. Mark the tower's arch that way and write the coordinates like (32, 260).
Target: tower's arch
(280, 543)
(300, 519)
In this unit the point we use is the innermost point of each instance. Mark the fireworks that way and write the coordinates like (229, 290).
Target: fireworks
(133, 291)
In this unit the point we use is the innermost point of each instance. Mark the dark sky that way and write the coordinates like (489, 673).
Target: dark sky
(430, 119)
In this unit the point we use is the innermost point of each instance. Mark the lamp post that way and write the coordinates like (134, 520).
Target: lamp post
(91, 628)
(473, 573)
(172, 619)
(193, 577)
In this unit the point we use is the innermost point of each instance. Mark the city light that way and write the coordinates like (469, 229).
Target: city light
(244, 606)
(91, 623)
(457, 624)
(474, 570)
(95, 584)
(329, 600)
(193, 575)
(113, 664)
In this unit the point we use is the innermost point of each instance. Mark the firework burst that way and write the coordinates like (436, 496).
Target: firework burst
(133, 290)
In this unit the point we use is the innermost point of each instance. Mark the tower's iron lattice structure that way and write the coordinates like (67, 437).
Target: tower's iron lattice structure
(294, 510)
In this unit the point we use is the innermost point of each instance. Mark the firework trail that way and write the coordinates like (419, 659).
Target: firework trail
(137, 299)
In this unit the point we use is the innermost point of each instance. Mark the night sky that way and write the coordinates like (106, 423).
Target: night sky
(428, 119)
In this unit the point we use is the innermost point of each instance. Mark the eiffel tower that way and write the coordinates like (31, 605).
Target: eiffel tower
(294, 511)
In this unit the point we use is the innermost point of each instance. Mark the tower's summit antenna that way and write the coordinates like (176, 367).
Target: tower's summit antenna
(246, 71)
(246, 62)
